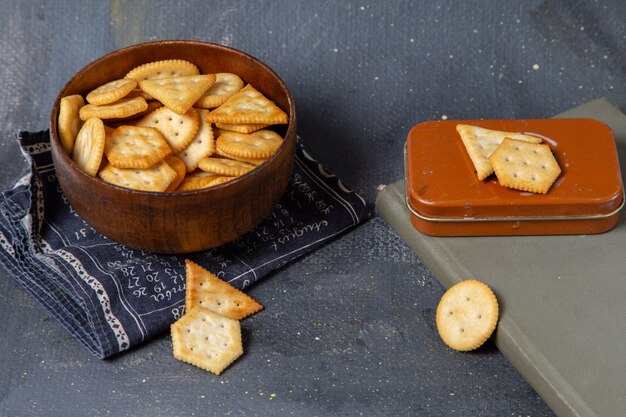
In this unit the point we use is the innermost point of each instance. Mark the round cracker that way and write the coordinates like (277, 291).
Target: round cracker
(225, 166)
(163, 69)
(257, 145)
(89, 146)
(197, 180)
(69, 122)
(126, 107)
(467, 315)
(111, 92)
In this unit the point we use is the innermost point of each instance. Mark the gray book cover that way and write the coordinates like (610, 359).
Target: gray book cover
(562, 298)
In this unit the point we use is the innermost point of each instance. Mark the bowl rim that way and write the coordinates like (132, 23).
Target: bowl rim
(291, 123)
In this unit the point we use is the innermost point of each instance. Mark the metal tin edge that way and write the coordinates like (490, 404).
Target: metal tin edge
(495, 219)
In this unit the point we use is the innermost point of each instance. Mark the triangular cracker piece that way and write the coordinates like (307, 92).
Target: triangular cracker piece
(248, 106)
(208, 291)
(480, 144)
(178, 93)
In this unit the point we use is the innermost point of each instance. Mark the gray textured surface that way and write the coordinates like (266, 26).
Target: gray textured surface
(349, 329)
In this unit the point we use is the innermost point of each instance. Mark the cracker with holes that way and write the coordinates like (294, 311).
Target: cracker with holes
(202, 145)
(480, 144)
(467, 315)
(257, 145)
(177, 129)
(178, 93)
(241, 128)
(123, 108)
(163, 69)
(204, 289)
(89, 146)
(206, 339)
(156, 178)
(111, 91)
(248, 105)
(525, 166)
(135, 147)
(226, 84)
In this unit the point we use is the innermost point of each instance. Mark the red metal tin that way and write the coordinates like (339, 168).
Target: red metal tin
(446, 198)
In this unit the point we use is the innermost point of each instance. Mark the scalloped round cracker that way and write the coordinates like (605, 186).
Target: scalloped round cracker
(126, 107)
(225, 166)
(111, 92)
(89, 146)
(467, 315)
(163, 69)
(260, 144)
(69, 122)
(226, 84)
(197, 180)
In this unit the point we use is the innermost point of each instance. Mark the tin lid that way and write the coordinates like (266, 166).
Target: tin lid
(442, 184)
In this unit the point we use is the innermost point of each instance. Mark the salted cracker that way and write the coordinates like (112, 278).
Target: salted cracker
(202, 145)
(178, 93)
(197, 180)
(241, 128)
(69, 122)
(260, 144)
(525, 166)
(206, 339)
(177, 129)
(163, 69)
(156, 178)
(467, 315)
(204, 289)
(178, 166)
(248, 106)
(480, 143)
(135, 147)
(125, 107)
(226, 84)
(225, 166)
(89, 146)
(111, 92)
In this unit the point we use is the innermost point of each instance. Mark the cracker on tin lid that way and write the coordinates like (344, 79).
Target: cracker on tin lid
(248, 105)
(202, 145)
(260, 144)
(69, 122)
(163, 69)
(226, 84)
(89, 146)
(467, 315)
(156, 178)
(177, 129)
(135, 147)
(111, 92)
(206, 339)
(125, 107)
(178, 93)
(480, 143)
(525, 166)
(204, 289)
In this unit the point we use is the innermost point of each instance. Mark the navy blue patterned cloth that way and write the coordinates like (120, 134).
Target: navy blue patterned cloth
(112, 297)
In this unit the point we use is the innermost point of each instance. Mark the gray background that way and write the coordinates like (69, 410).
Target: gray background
(349, 329)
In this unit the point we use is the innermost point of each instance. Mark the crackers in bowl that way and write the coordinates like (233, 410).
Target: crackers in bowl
(124, 130)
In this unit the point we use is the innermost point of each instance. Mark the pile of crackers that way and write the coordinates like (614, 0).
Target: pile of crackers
(166, 127)
(209, 334)
(519, 161)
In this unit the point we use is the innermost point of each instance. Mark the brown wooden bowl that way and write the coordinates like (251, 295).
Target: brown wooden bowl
(187, 221)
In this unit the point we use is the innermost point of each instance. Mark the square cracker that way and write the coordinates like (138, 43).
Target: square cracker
(525, 166)
(248, 106)
(480, 143)
(207, 340)
(156, 178)
(206, 290)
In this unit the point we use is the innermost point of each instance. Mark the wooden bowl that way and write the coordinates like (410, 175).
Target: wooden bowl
(188, 221)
